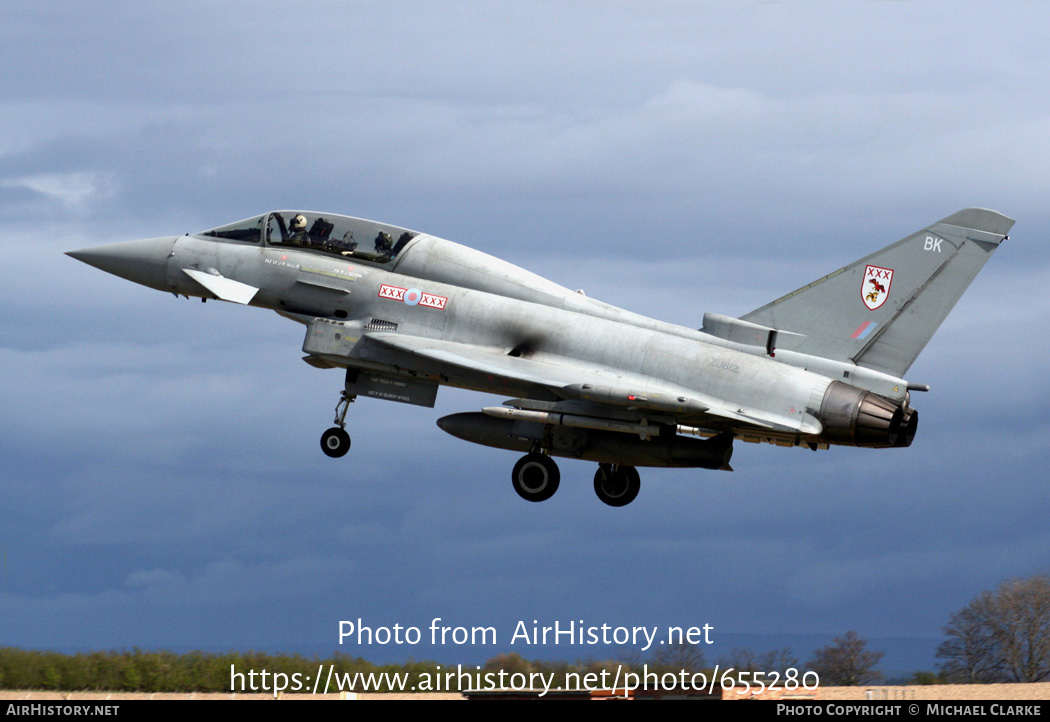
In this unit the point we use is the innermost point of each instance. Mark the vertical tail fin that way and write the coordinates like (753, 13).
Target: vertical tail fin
(881, 311)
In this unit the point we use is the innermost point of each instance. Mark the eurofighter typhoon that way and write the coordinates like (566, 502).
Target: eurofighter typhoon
(404, 313)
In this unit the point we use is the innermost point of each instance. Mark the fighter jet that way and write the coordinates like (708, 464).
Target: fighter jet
(404, 313)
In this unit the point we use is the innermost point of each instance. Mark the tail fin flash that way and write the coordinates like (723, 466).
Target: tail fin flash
(881, 311)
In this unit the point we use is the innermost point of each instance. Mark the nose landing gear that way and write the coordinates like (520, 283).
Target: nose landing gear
(336, 442)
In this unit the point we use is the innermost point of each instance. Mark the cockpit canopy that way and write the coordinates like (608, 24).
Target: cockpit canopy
(323, 232)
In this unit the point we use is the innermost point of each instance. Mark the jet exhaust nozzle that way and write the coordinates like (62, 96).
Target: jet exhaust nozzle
(855, 417)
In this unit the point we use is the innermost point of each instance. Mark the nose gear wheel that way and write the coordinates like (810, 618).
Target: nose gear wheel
(336, 442)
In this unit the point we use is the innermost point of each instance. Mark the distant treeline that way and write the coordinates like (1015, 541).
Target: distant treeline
(160, 671)
(141, 671)
(137, 670)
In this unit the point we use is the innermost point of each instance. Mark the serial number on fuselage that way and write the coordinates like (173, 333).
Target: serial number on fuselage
(724, 365)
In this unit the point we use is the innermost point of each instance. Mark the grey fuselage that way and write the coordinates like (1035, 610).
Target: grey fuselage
(405, 313)
(445, 292)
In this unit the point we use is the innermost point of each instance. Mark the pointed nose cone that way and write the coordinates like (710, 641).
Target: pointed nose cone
(144, 261)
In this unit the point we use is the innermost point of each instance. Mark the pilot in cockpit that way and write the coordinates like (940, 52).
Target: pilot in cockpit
(299, 235)
(384, 244)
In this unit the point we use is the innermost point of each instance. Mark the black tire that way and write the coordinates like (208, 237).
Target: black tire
(335, 442)
(617, 486)
(535, 477)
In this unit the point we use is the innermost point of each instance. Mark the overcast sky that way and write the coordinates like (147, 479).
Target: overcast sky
(161, 484)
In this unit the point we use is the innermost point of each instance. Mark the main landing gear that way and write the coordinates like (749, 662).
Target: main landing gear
(336, 442)
(616, 485)
(536, 478)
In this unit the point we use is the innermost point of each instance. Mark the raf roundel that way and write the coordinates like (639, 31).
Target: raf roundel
(412, 296)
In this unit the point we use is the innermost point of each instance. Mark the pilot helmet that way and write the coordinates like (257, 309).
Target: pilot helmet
(299, 223)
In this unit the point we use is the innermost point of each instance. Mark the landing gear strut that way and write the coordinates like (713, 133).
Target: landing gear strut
(535, 477)
(336, 442)
(616, 485)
